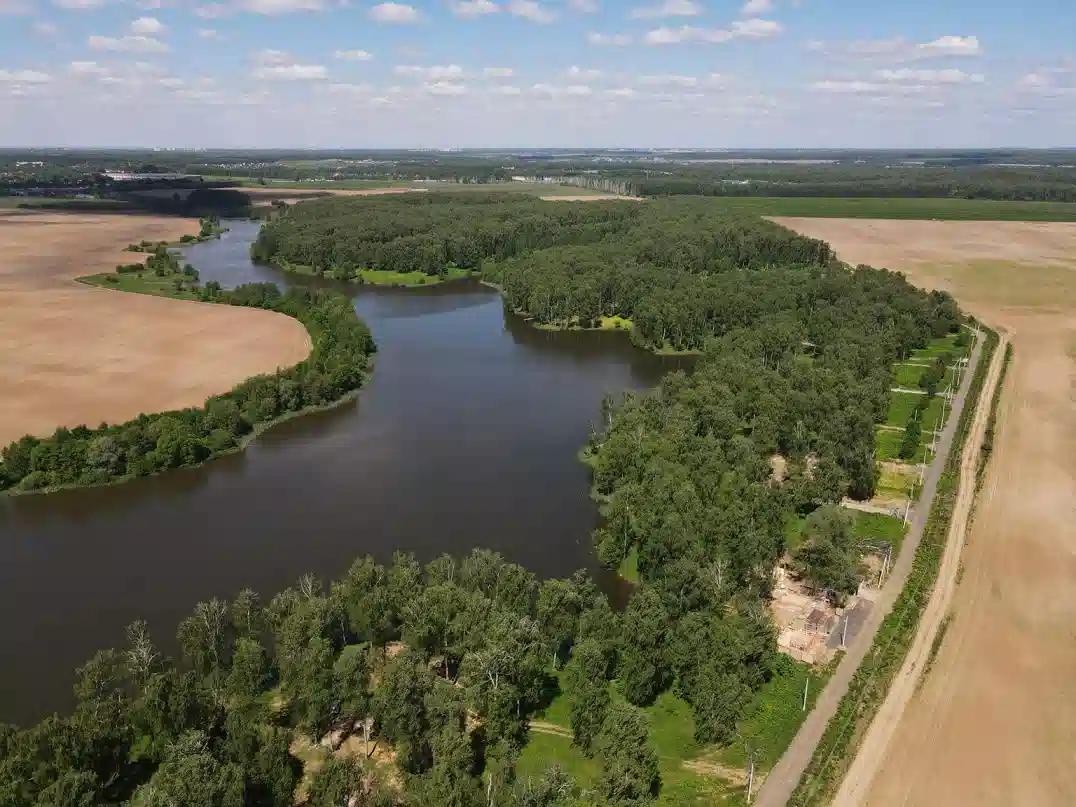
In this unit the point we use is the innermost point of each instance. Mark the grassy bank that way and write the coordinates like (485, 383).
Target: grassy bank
(376, 277)
(145, 283)
(865, 208)
(871, 682)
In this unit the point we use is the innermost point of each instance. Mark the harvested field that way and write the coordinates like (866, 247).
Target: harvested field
(994, 723)
(72, 354)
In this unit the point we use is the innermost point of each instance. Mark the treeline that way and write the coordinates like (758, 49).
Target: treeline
(151, 443)
(1045, 184)
(437, 669)
(430, 233)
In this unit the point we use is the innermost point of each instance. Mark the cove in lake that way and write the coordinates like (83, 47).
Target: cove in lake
(466, 435)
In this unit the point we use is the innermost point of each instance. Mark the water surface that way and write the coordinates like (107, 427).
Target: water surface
(465, 436)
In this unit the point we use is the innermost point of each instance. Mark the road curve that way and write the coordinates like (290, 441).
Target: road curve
(785, 776)
(868, 760)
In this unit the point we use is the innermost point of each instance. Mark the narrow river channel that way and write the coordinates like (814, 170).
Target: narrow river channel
(465, 436)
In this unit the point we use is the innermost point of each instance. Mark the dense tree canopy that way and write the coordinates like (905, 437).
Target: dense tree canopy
(216, 725)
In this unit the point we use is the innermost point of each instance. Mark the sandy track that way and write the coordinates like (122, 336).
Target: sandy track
(73, 354)
(876, 741)
(994, 722)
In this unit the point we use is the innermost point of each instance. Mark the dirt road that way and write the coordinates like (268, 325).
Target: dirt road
(786, 774)
(72, 354)
(875, 743)
(994, 721)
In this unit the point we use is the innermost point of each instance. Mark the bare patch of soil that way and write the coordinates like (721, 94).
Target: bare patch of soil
(72, 354)
(994, 722)
(592, 197)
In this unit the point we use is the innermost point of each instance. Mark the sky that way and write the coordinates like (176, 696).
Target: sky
(537, 73)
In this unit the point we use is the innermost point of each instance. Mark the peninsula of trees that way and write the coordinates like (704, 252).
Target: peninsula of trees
(157, 442)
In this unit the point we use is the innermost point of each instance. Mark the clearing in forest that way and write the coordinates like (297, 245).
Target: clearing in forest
(71, 354)
(994, 723)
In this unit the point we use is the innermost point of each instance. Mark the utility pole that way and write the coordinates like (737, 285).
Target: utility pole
(844, 630)
(750, 775)
(806, 684)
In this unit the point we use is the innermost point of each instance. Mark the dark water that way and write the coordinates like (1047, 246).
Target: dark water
(465, 436)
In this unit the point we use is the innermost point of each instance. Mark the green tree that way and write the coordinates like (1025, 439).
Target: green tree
(629, 766)
(643, 670)
(588, 693)
(829, 558)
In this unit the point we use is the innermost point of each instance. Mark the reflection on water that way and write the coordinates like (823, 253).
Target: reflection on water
(466, 435)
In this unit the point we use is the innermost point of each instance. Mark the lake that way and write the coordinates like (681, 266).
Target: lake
(466, 435)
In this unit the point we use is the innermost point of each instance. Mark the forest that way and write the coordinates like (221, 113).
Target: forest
(444, 666)
(421, 679)
(157, 442)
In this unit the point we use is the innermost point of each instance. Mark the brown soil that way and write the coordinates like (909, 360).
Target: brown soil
(72, 354)
(994, 722)
(592, 197)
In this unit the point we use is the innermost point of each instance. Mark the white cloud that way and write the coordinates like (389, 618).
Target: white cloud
(291, 72)
(433, 73)
(208, 33)
(351, 89)
(24, 77)
(847, 86)
(619, 40)
(127, 44)
(585, 6)
(353, 55)
(531, 10)
(669, 81)
(147, 25)
(474, 8)
(498, 72)
(46, 29)
(79, 5)
(753, 8)
(171, 82)
(87, 69)
(900, 49)
(669, 8)
(952, 46)
(756, 28)
(581, 73)
(556, 91)
(276, 65)
(505, 89)
(930, 76)
(621, 92)
(395, 13)
(741, 29)
(271, 8)
(445, 88)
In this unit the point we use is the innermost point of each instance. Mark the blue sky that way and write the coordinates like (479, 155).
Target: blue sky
(457, 73)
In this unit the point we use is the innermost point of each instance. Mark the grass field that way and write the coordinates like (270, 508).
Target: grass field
(629, 567)
(887, 443)
(942, 209)
(866, 525)
(378, 277)
(691, 775)
(902, 404)
(142, 283)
